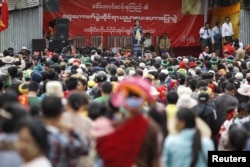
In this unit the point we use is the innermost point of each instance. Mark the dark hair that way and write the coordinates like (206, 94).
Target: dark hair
(55, 58)
(113, 78)
(17, 112)
(139, 72)
(77, 99)
(247, 107)
(49, 109)
(181, 79)
(95, 110)
(51, 74)
(160, 117)
(71, 83)
(230, 87)
(12, 71)
(57, 69)
(241, 107)
(188, 116)
(172, 97)
(29, 64)
(44, 75)
(33, 86)
(8, 97)
(238, 138)
(201, 83)
(107, 87)
(192, 84)
(38, 132)
(162, 76)
(83, 81)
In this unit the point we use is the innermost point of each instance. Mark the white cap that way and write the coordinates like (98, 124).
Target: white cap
(142, 65)
(185, 60)
(71, 60)
(24, 47)
(165, 71)
(131, 72)
(239, 76)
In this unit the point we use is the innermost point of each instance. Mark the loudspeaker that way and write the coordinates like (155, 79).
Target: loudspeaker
(58, 44)
(62, 29)
(245, 4)
(55, 44)
(38, 44)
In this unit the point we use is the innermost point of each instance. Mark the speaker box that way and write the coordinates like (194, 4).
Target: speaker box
(58, 44)
(38, 44)
(245, 4)
(62, 29)
(55, 44)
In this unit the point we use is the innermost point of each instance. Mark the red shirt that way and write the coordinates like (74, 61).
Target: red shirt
(228, 48)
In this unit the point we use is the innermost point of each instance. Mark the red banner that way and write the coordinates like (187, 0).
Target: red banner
(4, 19)
(180, 19)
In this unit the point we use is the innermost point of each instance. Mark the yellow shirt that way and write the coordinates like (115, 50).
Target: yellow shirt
(171, 110)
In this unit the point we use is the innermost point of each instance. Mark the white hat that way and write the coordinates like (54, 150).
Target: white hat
(24, 47)
(142, 65)
(182, 90)
(131, 72)
(165, 71)
(244, 90)
(186, 101)
(239, 76)
(83, 66)
(54, 88)
(8, 60)
(153, 91)
(185, 60)
(71, 60)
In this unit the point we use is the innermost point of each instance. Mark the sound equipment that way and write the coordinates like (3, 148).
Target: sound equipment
(62, 29)
(58, 44)
(38, 44)
(245, 4)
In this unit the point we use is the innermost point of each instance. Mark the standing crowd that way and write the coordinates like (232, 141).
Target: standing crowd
(87, 107)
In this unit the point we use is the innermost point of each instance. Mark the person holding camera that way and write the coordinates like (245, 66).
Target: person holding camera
(205, 35)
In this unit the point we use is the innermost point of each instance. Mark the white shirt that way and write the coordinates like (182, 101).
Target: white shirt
(216, 30)
(203, 55)
(38, 162)
(227, 29)
(205, 34)
(147, 42)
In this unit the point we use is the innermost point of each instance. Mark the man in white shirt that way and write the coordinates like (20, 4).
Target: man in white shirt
(147, 43)
(216, 37)
(205, 35)
(205, 54)
(227, 30)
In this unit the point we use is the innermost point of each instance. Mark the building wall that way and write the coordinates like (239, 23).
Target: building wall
(24, 25)
(245, 26)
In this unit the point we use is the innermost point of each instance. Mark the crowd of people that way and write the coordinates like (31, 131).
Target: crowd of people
(89, 107)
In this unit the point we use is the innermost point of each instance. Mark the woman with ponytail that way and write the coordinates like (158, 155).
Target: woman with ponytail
(187, 148)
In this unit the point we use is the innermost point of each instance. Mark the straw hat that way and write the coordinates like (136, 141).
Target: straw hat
(8, 60)
(244, 90)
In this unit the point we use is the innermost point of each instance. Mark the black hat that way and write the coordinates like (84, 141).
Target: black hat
(203, 97)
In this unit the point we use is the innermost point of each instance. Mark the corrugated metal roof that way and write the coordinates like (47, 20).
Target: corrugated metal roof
(22, 4)
(244, 26)
(24, 25)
